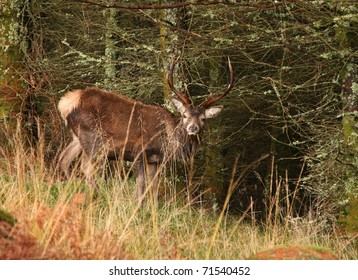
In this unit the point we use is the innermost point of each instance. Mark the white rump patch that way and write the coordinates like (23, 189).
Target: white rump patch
(69, 102)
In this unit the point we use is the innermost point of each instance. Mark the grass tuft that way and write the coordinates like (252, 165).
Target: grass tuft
(65, 220)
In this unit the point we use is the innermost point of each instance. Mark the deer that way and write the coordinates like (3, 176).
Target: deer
(118, 127)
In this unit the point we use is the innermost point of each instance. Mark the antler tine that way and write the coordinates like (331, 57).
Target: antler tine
(230, 85)
(171, 84)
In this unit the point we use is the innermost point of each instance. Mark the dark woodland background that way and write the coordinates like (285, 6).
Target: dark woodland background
(289, 125)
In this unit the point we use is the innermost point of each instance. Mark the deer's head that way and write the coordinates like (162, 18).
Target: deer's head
(193, 117)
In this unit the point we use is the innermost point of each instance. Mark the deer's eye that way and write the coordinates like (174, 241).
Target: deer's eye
(185, 116)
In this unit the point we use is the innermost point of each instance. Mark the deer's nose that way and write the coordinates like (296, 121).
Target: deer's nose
(193, 129)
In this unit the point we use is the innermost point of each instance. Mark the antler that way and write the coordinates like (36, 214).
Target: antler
(171, 84)
(210, 101)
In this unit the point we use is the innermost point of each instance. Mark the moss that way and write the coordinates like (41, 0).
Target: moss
(349, 217)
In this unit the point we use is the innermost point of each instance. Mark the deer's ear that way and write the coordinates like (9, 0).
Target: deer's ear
(178, 105)
(213, 111)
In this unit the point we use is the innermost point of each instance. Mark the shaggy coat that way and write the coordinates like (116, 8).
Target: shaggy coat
(115, 126)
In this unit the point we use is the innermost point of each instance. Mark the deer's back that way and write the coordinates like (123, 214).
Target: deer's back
(124, 121)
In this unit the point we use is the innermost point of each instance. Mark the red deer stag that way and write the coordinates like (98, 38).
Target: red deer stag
(121, 127)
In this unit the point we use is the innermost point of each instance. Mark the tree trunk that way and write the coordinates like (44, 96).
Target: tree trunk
(170, 44)
(214, 160)
(170, 48)
(12, 44)
(350, 111)
(347, 41)
(110, 47)
(348, 216)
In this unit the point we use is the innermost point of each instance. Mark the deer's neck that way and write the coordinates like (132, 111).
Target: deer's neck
(183, 145)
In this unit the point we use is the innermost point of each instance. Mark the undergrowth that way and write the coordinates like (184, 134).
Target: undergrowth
(58, 219)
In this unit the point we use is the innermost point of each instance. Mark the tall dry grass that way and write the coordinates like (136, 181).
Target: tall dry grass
(67, 220)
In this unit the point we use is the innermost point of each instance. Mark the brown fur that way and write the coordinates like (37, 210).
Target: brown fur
(124, 128)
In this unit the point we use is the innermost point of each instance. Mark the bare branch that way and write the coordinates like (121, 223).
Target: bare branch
(264, 6)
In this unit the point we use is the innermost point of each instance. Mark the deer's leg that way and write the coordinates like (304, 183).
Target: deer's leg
(152, 177)
(91, 156)
(140, 179)
(146, 177)
(89, 170)
(72, 151)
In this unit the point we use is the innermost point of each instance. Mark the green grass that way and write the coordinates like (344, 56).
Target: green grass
(65, 220)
